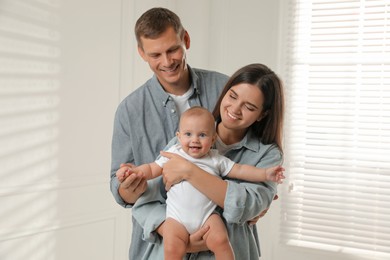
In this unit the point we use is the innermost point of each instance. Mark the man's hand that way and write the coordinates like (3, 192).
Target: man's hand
(133, 185)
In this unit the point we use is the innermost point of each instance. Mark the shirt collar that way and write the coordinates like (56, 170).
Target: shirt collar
(251, 141)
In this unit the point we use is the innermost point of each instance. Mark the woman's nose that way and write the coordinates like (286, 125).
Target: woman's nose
(236, 108)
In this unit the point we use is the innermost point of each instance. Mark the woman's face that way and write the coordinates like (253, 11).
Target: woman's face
(241, 106)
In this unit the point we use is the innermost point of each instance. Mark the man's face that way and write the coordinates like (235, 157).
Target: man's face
(166, 56)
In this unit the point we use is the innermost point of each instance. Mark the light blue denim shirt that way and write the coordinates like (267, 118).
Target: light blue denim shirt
(144, 123)
(243, 202)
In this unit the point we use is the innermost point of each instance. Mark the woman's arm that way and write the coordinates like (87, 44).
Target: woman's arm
(241, 201)
(245, 200)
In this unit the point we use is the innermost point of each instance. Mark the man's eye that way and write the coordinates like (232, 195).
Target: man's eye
(174, 50)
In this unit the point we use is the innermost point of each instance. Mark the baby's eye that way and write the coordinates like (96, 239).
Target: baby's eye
(187, 134)
(202, 135)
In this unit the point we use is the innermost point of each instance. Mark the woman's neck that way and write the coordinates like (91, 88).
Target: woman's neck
(229, 136)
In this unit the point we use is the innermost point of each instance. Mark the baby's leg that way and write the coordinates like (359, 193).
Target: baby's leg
(175, 239)
(217, 239)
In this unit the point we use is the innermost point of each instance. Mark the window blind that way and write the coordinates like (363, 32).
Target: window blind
(337, 137)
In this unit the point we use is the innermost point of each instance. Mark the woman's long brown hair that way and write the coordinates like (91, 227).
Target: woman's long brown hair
(270, 128)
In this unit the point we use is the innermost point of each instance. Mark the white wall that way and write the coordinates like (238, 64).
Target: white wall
(64, 67)
(59, 85)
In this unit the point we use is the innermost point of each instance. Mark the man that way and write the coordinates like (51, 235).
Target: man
(148, 118)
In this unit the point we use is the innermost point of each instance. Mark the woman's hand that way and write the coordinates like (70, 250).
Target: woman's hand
(175, 170)
(197, 243)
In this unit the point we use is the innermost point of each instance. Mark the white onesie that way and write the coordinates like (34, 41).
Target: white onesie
(185, 203)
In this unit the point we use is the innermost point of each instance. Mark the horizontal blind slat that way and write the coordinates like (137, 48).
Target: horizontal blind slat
(338, 127)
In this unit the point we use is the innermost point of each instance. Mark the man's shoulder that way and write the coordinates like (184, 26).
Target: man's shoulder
(141, 94)
(141, 90)
(211, 80)
(132, 104)
(209, 73)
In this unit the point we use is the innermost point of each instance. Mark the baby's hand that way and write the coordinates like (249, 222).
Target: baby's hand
(275, 174)
(123, 172)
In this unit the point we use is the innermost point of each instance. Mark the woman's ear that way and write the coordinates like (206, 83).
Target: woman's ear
(263, 114)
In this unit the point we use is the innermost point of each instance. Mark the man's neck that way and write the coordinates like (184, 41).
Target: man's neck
(179, 88)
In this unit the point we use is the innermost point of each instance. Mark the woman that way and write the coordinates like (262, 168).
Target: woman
(249, 116)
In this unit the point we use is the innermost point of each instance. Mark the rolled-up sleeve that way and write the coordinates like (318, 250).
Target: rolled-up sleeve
(121, 151)
(246, 200)
(150, 210)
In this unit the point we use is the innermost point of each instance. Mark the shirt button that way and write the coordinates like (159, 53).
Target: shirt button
(173, 111)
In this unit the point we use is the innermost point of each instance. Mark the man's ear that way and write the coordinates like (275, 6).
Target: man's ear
(141, 53)
(187, 40)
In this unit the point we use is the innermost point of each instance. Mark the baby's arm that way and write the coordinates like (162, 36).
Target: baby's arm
(150, 171)
(254, 174)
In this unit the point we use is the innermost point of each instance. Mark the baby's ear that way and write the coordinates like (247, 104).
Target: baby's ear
(215, 138)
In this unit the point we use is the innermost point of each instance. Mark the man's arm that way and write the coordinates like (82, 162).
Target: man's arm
(127, 192)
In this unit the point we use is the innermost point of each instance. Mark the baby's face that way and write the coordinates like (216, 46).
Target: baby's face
(196, 136)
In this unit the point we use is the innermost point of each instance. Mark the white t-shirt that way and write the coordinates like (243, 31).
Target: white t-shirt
(181, 102)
